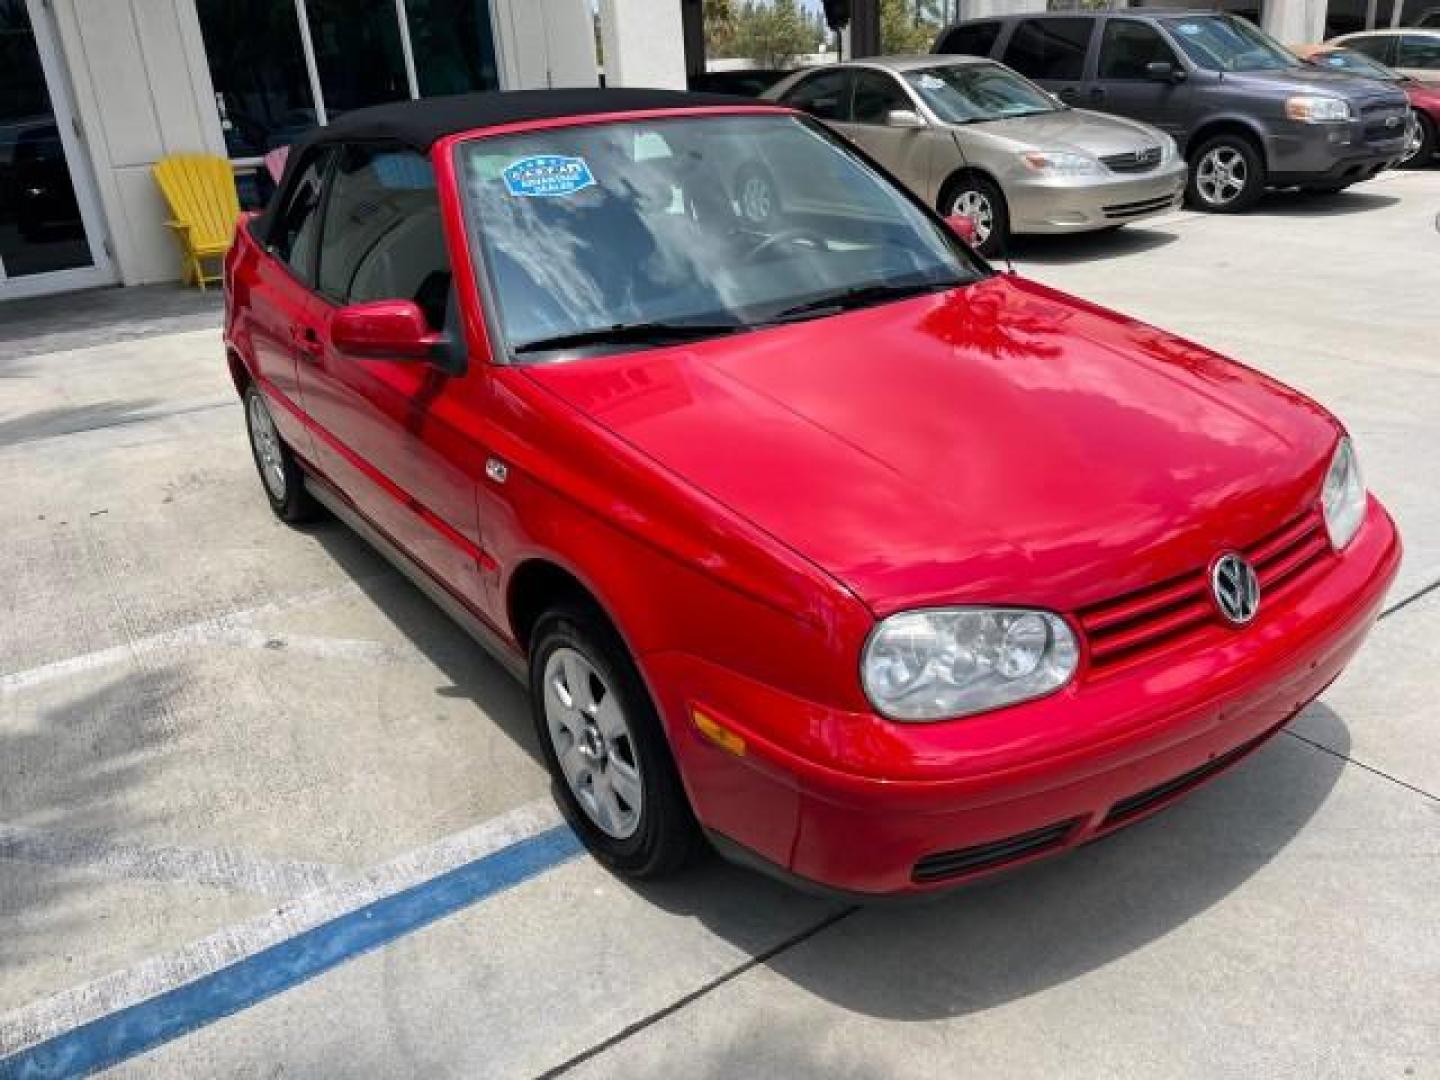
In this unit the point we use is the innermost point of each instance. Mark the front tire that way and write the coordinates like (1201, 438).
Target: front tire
(984, 204)
(280, 474)
(605, 747)
(1226, 175)
(1421, 150)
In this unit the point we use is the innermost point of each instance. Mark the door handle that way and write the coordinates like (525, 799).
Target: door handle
(1068, 92)
(307, 343)
(1097, 93)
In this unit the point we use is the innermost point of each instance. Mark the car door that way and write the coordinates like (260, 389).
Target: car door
(1123, 84)
(396, 436)
(904, 151)
(281, 307)
(1418, 55)
(1052, 52)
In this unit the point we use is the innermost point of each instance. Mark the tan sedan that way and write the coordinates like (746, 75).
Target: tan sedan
(971, 136)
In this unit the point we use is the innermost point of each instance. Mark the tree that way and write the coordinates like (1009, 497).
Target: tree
(719, 17)
(910, 26)
(773, 33)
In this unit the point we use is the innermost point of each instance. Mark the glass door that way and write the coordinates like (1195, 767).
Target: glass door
(49, 220)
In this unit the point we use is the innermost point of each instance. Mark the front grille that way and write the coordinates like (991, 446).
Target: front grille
(1133, 161)
(1376, 122)
(1144, 206)
(1133, 626)
(1137, 804)
(952, 864)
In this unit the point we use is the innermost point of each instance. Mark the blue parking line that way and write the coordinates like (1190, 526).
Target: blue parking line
(123, 1034)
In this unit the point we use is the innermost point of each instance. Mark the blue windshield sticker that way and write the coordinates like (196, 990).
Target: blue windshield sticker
(547, 175)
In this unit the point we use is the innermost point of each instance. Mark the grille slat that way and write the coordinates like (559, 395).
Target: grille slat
(950, 864)
(1144, 206)
(1142, 160)
(1135, 625)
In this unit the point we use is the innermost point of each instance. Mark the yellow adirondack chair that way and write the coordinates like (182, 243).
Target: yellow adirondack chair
(200, 189)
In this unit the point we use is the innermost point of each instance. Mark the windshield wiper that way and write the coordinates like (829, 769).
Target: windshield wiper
(860, 296)
(640, 333)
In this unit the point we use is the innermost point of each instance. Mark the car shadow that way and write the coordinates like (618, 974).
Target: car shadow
(1292, 202)
(999, 940)
(470, 672)
(1086, 247)
(1019, 934)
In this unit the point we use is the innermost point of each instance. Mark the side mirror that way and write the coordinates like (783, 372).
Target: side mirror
(903, 118)
(385, 330)
(962, 227)
(1164, 71)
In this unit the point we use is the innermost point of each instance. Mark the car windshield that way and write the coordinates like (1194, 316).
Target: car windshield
(968, 93)
(1224, 43)
(1354, 63)
(631, 233)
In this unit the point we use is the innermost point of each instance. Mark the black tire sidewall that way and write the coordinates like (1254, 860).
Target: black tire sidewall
(1000, 210)
(664, 840)
(1255, 171)
(1426, 154)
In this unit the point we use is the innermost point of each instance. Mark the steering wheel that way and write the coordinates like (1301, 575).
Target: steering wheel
(792, 235)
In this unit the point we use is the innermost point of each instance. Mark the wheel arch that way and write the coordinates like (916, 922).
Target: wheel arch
(965, 172)
(539, 584)
(1227, 125)
(239, 373)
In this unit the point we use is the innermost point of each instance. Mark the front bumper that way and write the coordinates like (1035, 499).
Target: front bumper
(856, 803)
(1322, 154)
(1082, 204)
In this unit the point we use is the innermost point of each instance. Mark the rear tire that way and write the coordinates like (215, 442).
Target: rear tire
(984, 204)
(281, 477)
(605, 747)
(1227, 175)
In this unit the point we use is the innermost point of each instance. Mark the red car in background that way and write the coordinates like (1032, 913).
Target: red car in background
(822, 540)
(1424, 98)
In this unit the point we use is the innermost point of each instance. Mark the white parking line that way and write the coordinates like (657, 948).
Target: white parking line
(232, 628)
(44, 1019)
(223, 868)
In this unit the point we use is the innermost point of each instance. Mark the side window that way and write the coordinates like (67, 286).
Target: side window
(972, 39)
(293, 236)
(1050, 48)
(383, 239)
(1418, 51)
(1127, 46)
(875, 96)
(823, 95)
(1377, 48)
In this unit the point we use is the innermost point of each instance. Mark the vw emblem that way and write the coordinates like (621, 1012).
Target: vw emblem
(1236, 589)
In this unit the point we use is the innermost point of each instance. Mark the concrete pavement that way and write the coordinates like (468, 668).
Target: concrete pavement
(207, 720)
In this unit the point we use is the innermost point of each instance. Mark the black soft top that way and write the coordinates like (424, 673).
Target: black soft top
(420, 123)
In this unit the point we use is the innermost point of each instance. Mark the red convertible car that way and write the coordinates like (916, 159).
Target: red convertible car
(825, 541)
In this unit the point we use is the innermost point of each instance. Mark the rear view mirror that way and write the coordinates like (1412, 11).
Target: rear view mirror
(962, 227)
(1163, 71)
(903, 118)
(385, 330)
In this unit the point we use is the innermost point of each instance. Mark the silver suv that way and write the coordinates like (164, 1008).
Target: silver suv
(1246, 112)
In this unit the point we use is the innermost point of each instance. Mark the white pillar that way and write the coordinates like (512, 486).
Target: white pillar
(644, 43)
(979, 9)
(1295, 22)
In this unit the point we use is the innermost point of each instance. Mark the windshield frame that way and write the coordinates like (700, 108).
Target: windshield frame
(908, 74)
(1170, 22)
(501, 350)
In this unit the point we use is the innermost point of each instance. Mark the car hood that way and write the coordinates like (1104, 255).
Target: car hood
(998, 443)
(1310, 80)
(1069, 129)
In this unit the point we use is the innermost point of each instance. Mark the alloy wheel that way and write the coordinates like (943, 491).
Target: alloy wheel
(975, 206)
(1414, 140)
(266, 441)
(593, 743)
(1221, 175)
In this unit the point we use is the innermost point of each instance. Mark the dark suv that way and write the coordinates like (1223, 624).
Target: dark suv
(1246, 112)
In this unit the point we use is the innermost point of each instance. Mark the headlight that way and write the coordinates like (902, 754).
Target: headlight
(1343, 496)
(947, 662)
(1313, 109)
(1059, 163)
